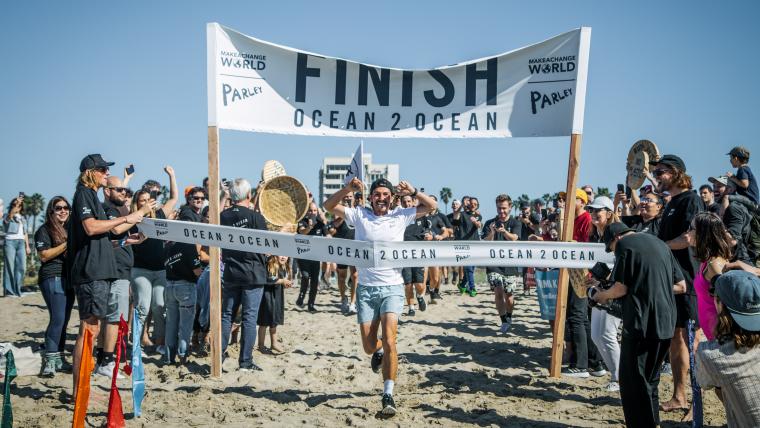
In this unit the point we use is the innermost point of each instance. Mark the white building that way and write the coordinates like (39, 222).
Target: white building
(333, 172)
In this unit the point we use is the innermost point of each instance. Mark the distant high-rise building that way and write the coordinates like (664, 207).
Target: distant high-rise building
(333, 172)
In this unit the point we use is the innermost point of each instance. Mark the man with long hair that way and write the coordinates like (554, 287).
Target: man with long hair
(91, 263)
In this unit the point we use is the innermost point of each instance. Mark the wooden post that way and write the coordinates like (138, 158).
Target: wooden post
(566, 234)
(215, 280)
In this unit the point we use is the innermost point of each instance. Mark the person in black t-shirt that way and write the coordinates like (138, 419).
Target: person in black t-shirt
(649, 214)
(469, 223)
(118, 298)
(313, 224)
(456, 272)
(735, 216)
(441, 229)
(503, 280)
(744, 179)
(50, 241)
(183, 267)
(339, 229)
(148, 273)
(245, 274)
(414, 277)
(90, 258)
(646, 275)
(708, 197)
(685, 203)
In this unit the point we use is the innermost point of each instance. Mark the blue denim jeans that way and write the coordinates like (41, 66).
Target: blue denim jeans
(180, 313)
(469, 274)
(203, 298)
(59, 304)
(15, 266)
(249, 297)
(148, 295)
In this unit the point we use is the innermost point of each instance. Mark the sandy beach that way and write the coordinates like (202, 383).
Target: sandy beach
(455, 370)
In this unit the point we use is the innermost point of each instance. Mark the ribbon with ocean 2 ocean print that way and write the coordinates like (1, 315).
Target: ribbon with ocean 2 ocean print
(382, 254)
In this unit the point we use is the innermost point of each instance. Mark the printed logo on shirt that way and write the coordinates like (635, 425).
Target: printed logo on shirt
(86, 211)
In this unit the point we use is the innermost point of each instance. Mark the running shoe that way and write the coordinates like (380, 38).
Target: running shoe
(421, 303)
(462, 286)
(377, 361)
(312, 309)
(438, 295)
(505, 326)
(472, 292)
(49, 369)
(575, 372)
(299, 301)
(352, 308)
(344, 306)
(597, 371)
(613, 387)
(411, 312)
(249, 367)
(107, 371)
(432, 298)
(389, 406)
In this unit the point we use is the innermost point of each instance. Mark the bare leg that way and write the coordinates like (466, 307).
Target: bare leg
(273, 339)
(342, 276)
(368, 332)
(679, 361)
(500, 300)
(409, 295)
(262, 339)
(354, 284)
(390, 360)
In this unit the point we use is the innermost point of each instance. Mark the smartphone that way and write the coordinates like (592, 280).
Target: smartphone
(621, 188)
(131, 169)
(154, 194)
(21, 194)
(628, 192)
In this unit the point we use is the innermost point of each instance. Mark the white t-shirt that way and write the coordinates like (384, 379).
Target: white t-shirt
(15, 228)
(371, 228)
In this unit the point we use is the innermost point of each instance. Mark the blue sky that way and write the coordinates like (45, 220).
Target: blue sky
(128, 80)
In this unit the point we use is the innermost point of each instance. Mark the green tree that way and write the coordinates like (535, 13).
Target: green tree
(523, 198)
(445, 195)
(603, 191)
(33, 206)
(547, 198)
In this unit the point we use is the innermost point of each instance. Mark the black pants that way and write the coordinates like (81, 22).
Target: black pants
(584, 353)
(640, 362)
(309, 279)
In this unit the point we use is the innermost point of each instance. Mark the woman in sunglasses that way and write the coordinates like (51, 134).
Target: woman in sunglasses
(50, 241)
(649, 215)
(713, 250)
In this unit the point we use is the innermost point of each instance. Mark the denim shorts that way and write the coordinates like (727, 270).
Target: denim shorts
(371, 302)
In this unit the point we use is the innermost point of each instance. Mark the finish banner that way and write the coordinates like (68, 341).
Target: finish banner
(381, 254)
(534, 91)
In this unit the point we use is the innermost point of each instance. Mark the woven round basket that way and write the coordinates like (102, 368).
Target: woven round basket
(283, 201)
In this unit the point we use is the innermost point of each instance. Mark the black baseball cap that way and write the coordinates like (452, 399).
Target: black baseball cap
(612, 231)
(524, 205)
(93, 161)
(740, 152)
(739, 291)
(381, 182)
(672, 161)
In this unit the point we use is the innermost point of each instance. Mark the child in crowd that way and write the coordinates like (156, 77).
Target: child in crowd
(731, 363)
(272, 309)
(745, 181)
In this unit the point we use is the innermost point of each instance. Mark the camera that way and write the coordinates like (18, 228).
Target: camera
(601, 273)
(154, 194)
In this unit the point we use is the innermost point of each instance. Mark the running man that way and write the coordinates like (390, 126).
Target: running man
(380, 294)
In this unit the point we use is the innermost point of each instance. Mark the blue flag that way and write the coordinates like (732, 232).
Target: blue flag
(10, 374)
(138, 371)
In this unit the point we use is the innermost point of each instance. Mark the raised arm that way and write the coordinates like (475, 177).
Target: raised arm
(426, 203)
(333, 203)
(173, 192)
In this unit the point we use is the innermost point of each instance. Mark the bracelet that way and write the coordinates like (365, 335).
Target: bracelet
(413, 194)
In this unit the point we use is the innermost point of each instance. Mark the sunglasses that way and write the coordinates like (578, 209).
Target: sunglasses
(596, 210)
(103, 169)
(59, 208)
(118, 189)
(199, 198)
(649, 200)
(660, 172)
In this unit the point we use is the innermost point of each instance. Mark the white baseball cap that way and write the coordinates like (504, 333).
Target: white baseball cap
(601, 202)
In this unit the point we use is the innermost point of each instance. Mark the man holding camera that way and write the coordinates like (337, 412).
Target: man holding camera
(503, 280)
(313, 224)
(646, 276)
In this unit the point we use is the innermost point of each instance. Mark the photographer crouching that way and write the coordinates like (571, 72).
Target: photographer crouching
(645, 277)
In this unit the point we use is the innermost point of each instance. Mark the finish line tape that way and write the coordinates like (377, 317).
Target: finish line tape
(382, 254)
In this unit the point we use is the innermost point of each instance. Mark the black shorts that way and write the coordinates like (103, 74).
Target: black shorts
(686, 309)
(92, 299)
(341, 267)
(413, 275)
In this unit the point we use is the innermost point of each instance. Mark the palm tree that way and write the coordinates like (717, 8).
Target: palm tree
(33, 206)
(603, 191)
(523, 198)
(445, 195)
(547, 198)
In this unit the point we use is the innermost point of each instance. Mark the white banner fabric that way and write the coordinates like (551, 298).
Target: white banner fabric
(382, 254)
(534, 91)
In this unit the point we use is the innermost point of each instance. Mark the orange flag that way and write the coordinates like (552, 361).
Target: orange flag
(83, 383)
(115, 412)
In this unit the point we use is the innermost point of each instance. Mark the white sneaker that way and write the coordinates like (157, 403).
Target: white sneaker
(352, 308)
(613, 387)
(505, 326)
(107, 370)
